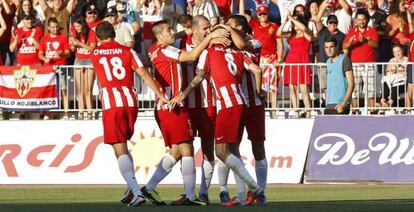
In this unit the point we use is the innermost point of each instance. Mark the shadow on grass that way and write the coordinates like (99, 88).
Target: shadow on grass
(320, 206)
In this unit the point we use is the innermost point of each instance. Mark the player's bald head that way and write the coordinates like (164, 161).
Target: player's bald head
(158, 27)
(198, 20)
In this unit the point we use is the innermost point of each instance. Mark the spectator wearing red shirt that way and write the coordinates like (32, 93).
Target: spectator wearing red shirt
(400, 23)
(91, 18)
(361, 41)
(8, 11)
(25, 41)
(53, 50)
(82, 41)
(298, 74)
(265, 31)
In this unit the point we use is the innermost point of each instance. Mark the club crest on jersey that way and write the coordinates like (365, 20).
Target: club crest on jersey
(271, 31)
(23, 80)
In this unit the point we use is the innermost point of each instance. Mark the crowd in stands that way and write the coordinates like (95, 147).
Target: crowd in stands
(61, 32)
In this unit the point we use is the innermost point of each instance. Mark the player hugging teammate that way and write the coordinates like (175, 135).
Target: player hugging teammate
(194, 98)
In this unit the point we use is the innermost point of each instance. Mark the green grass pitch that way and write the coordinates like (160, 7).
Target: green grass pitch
(335, 198)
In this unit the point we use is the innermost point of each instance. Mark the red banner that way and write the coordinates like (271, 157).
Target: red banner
(28, 88)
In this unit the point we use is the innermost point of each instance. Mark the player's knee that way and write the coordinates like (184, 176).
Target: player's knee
(175, 153)
(186, 149)
(221, 152)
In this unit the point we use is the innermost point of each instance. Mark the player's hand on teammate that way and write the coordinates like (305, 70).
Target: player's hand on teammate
(222, 41)
(262, 95)
(176, 101)
(219, 33)
(165, 103)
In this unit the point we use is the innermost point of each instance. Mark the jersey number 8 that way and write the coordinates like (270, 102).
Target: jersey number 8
(230, 63)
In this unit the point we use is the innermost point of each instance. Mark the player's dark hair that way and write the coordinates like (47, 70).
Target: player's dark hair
(331, 39)
(105, 30)
(242, 21)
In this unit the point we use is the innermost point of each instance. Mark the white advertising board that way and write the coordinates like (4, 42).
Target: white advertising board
(72, 152)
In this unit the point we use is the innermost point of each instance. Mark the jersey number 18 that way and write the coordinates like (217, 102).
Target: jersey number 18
(117, 70)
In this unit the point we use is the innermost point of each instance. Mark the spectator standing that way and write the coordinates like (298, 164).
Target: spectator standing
(313, 7)
(296, 73)
(53, 50)
(25, 42)
(301, 10)
(123, 18)
(340, 79)
(325, 32)
(287, 7)
(92, 19)
(378, 21)
(25, 9)
(82, 41)
(58, 11)
(123, 34)
(361, 42)
(271, 52)
(401, 24)
(341, 9)
(8, 11)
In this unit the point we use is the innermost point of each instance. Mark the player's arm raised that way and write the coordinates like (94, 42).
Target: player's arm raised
(195, 53)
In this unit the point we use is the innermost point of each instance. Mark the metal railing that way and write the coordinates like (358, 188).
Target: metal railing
(369, 77)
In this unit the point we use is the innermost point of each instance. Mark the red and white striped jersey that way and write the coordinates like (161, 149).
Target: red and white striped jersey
(203, 95)
(225, 66)
(248, 80)
(168, 72)
(114, 66)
